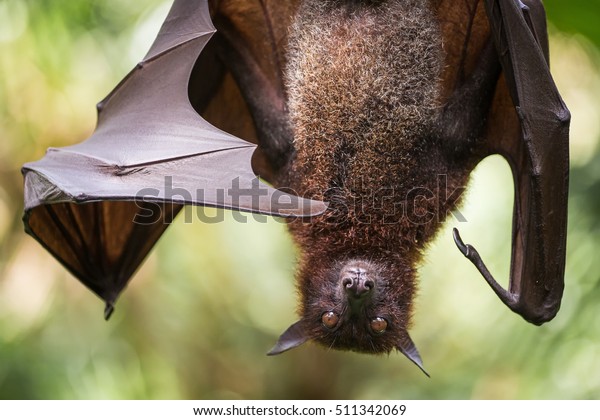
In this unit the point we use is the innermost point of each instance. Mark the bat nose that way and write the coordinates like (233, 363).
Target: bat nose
(357, 283)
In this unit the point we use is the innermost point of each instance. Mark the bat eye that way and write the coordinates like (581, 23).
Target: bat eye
(378, 325)
(330, 319)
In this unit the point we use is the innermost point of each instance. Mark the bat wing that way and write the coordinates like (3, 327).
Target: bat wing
(528, 124)
(99, 206)
(250, 46)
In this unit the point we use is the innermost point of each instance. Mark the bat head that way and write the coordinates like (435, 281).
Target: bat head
(353, 305)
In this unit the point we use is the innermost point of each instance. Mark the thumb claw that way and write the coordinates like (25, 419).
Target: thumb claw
(459, 242)
(108, 310)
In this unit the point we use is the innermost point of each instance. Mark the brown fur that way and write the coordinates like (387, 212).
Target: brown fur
(363, 79)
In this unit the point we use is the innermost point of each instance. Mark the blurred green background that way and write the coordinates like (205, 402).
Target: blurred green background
(199, 316)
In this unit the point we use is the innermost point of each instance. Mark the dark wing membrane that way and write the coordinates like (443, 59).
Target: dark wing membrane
(251, 42)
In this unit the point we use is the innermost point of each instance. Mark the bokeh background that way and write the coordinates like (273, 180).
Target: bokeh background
(208, 303)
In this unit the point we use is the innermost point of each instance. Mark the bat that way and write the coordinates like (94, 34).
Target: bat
(379, 108)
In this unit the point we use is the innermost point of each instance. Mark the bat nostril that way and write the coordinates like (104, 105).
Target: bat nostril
(347, 282)
(364, 288)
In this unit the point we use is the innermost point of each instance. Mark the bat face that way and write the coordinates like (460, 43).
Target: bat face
(353, 305)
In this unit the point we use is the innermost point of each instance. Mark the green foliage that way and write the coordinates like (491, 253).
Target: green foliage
(211, 299)
(576, 17)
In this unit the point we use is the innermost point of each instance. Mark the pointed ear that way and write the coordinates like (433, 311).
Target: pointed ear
(291, 338)
(408, 348)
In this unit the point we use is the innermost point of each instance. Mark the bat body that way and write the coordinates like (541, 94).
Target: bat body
(379, 108)
(364, 110)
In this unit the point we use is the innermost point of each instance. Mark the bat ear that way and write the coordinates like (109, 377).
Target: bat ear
(291, 338)
(407, 347)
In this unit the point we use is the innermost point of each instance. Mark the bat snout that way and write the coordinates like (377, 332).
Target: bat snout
(357, 280)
